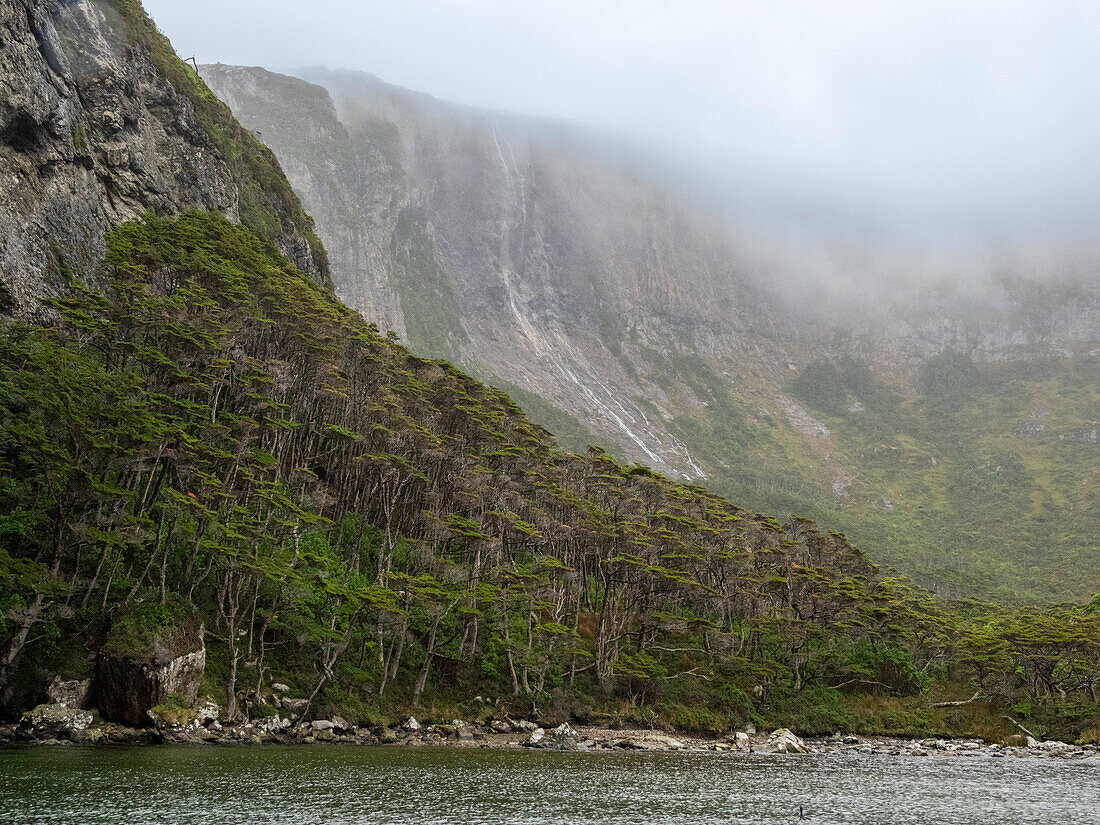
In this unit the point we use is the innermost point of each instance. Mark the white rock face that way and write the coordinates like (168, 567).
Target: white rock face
(783, 741)
(115, 136)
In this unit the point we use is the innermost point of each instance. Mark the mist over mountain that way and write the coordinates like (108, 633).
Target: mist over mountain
(856, 146)
(264, 454)
(914, 413)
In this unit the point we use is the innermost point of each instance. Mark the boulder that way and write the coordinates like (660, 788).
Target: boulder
(340, 724)
(411, 724)
(666, 742)
(207, 713)
(564, 738)
(272, 724)
(74, 693)
(462, 731)
(523, 726)
(149, 654)
(742, 741)
(53, 721)
(535, 739)
(499, 726)
(322, 724)
(279, 687)
(87, 736)
(783, 741)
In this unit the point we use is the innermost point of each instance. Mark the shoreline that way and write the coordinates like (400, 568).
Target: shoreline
(525, 735)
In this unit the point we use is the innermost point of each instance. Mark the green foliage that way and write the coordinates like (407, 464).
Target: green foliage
(266, 198)
(214, 439)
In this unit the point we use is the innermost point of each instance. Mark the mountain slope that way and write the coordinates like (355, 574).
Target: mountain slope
(99, 121)
(508, 245)
(517, 248)
(203, 436)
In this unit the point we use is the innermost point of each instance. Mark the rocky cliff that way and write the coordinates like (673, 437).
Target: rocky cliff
(929, 426)
(514, 247)
(100, 121)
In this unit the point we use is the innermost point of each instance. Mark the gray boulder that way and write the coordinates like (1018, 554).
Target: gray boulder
(53, 721)
(74, 693)
(207, 713)
(535, 739)
(564, 738)
(783, 741)
(140, 666)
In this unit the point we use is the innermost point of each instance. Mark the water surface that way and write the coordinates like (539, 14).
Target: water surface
(355, 784)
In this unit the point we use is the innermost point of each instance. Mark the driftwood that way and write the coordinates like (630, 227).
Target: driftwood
(858, 681)
(973, 698)
(1021, 727)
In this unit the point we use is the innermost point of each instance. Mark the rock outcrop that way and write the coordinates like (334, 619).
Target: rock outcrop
(137, 670)
(74, 693)
(511, 246)
(99, 122)
(783, 741)
(54, 721)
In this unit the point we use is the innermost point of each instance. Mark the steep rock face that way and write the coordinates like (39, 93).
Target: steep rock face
(948, 430)
(99, 121)
(132, 676)
(510, 245)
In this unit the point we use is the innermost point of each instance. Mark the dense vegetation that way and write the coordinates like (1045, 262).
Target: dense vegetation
(265, 197)
(982, 481)
(213, 433)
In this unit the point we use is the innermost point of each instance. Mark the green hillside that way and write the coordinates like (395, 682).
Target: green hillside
(212, 433)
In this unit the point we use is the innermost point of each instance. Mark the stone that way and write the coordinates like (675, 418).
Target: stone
(279, 687)
(136, 671)
(74, 693)
(87, 736)
(850, 740)
(272, 724)
(411, 724)
(53, 721)
(667, 742)
(461, 730)
(562, 738)
(741, 740)
(340, 724)
(322, 724)
(499, 726)
(783, 741)
(388, 736)
(523, 726)
(535, 739)
(207, 714)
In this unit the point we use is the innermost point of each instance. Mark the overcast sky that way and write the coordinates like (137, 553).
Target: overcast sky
(953, 117)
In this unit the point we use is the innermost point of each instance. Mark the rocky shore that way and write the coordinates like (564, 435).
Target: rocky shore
(59, 724)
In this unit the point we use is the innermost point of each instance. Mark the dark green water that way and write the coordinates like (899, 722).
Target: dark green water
(348, 784)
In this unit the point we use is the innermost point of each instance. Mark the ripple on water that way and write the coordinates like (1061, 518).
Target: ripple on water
(363, 785)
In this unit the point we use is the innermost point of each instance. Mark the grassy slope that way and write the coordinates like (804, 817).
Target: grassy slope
(951, 486)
